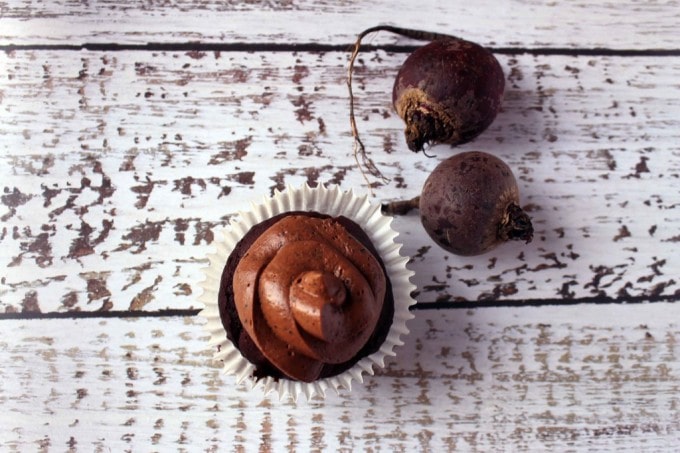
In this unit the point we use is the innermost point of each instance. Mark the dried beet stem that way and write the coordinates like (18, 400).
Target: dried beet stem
(400, 207)
(516, 225)
(364, 162)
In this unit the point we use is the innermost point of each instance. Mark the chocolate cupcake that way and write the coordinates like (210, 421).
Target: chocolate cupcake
(307, 292)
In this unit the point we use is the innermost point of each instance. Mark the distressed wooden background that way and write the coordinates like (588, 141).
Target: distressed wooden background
(130, 133)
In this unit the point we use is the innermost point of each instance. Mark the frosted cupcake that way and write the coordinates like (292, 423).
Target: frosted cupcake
(307, 292)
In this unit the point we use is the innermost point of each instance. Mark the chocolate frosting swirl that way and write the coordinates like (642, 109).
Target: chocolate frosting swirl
(308, 294)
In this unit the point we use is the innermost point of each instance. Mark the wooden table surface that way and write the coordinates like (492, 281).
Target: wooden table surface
(131, 132)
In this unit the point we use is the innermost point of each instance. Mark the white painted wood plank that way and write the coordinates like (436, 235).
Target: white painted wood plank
(118, 169)
(508, 379)
(516, 23)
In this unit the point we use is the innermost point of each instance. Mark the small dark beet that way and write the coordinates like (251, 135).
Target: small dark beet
(448, 91)
(470, 204)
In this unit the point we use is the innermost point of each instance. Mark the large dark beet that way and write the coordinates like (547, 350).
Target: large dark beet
(470, 203)
(448, 91)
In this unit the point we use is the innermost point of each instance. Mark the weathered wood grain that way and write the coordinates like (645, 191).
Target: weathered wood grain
(517, 23)
(120, 162)
(498, 379)
(118, 168)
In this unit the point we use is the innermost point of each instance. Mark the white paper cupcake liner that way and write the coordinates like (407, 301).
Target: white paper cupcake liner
(331, 201)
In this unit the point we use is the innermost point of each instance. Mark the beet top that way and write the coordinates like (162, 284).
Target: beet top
(448, 91)
(470, 204)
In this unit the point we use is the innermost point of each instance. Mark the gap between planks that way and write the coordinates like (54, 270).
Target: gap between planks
(315, 47)
(420, 306)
